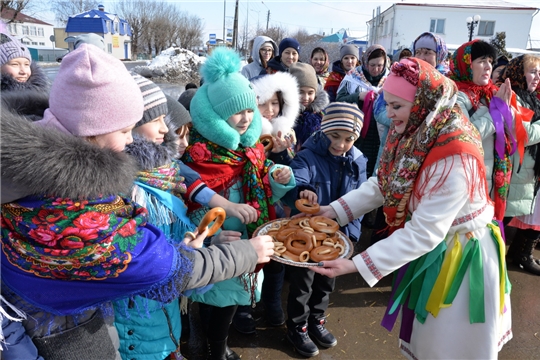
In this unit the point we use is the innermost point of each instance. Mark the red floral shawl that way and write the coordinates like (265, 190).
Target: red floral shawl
(436, 129)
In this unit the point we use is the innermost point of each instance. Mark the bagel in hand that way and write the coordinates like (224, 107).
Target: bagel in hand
(217, 215)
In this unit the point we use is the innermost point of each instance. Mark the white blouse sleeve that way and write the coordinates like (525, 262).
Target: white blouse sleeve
(428, 226)
(358, 202)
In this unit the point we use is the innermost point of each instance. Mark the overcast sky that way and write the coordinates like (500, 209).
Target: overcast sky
(313, 15)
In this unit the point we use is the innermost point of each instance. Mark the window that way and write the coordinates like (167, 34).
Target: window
(13, 28)
(33, 31)
(25, 30)
(42, 43)
(116, 27)
(34, 43)
(40, 32)
(437, 26)
(109, 48)
(486, 28)
(109, 26)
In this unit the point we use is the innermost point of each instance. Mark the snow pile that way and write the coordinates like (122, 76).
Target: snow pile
(173, 65)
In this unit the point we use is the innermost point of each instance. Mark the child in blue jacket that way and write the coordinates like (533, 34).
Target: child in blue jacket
(327, 167)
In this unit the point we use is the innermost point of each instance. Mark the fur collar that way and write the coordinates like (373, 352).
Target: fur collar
(44, 161)
(319, 104)
(265, 87)
(30, 98)
(150, 155)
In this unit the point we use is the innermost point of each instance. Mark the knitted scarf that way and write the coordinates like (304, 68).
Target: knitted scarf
(220, 168)
(436, 129)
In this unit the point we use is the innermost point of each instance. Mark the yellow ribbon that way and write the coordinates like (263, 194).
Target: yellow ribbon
(496, 232)
(444, 280)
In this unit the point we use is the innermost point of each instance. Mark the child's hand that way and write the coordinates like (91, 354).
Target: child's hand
(327, 211)
(281, 175)
(264, 246)
(226, 236)
(283, 143)
(193, 239)
(309, 196)
(245, 213)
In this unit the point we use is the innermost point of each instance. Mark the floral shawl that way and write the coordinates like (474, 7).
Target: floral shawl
(220, 168)
(441, 51)
(436, 129)
(461, 73)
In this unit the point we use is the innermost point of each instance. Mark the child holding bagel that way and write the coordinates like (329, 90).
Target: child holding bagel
(225, 150)
(71, 243)
(327, 167)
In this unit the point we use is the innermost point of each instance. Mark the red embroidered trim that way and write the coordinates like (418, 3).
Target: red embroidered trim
(371, 266)
(506, 334)
(469, 217)
(347, 209)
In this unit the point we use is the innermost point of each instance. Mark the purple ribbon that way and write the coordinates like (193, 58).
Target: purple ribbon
(502, 119)
(389, 320)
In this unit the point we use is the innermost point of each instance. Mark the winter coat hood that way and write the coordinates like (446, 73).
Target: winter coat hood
(337, 66)
(265, 86)
(29, 98)
(257, 44)
(42, 160)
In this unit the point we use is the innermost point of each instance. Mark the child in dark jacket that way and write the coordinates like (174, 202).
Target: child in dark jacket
(313, 99)
(327, 167)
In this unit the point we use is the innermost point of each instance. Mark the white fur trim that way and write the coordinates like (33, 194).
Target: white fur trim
(265, 87)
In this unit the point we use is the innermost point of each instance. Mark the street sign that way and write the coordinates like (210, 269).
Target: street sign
(212, 40)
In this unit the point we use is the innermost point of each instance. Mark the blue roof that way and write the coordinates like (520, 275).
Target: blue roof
(333, 38)
(96, 21)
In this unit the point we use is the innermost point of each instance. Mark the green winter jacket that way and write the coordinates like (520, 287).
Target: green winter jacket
(521, 195)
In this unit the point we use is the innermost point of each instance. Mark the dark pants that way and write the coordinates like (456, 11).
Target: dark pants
(216, 321)
(309, 295)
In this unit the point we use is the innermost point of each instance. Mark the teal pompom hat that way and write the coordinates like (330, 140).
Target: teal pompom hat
(224, 93)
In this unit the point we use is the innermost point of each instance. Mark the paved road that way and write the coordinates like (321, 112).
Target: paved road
(354, 317)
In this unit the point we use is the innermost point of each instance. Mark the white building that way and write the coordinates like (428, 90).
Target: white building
(35, 34)
(400, 24)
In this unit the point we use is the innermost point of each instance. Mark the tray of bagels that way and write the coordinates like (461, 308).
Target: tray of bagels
(306, 240)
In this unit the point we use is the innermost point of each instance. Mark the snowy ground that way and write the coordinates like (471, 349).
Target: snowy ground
(173, 65)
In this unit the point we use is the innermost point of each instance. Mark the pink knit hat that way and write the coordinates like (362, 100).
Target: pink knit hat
(403, 80)
(93, 94)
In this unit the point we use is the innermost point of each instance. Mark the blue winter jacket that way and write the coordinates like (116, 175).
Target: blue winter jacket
(329, 176)
(18, 345)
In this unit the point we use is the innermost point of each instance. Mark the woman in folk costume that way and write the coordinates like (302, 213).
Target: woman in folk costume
(225, 150)
(487, 107)
(72, 245)
(523, 73)
(451, 282)
(361, 86)
(432, 49)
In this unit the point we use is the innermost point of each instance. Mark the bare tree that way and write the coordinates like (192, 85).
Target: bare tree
(276, 33)
(190, 31)
(63, 9)
(17, 6)
(137, 15)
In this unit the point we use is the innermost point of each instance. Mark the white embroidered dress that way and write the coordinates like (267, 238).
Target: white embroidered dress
(435, 218)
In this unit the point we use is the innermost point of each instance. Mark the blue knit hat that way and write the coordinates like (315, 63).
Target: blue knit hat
(224, 93)
(289, 43)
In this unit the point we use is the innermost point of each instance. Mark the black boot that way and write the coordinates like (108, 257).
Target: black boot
(271, 293)
(516, 247)
(243, 320)
(219, 350)
(527, 260)
(298, 336)
(318, 331)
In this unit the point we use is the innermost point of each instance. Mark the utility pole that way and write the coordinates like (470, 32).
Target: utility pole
(235, 26)
(267, 20)
(224, 13)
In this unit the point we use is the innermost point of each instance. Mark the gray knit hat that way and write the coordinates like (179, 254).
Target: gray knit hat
(305, 74)
(342, 116)
(186, 96)
(350, 49)
(90, 38)
(155, 103)
(11, 48)
(178, 115)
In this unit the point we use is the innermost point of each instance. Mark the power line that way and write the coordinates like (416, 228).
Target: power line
(330, 7)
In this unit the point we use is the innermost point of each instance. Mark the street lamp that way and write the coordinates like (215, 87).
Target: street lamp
(471, 24)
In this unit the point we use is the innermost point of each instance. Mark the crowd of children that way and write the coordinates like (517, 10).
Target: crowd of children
(105, 179)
